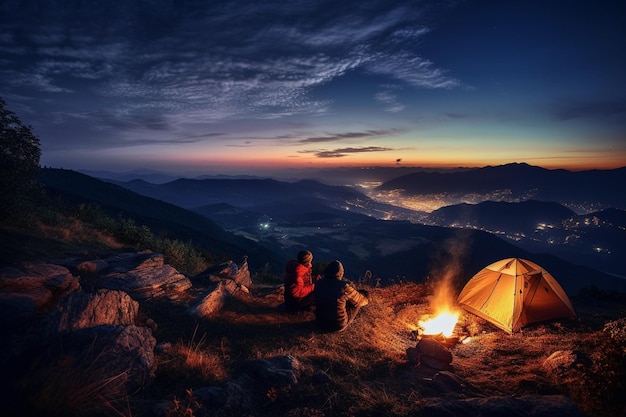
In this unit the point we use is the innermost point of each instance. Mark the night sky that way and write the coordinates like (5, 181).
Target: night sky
(245, 86)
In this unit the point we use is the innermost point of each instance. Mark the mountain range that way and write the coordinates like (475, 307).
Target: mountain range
(270, 221)
(595, 239)
(161, 217)
(583, 190)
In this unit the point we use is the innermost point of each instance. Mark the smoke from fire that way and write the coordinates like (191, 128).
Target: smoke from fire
(446, 272)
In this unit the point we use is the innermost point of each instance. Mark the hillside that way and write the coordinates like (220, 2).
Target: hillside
(595, 239)
(161, 217)
(390, 251)
(191, 193)
(520, 217)
(250, 358)
(512, 182)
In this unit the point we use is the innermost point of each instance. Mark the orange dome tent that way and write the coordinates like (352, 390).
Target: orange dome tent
(514, 292)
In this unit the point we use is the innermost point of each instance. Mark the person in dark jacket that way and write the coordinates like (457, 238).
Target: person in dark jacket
(299, 282)
(337, 302)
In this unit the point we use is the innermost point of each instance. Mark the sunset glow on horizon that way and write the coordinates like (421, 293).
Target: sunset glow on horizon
(245, 87)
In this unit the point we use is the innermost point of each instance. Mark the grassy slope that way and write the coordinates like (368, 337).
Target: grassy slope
(367, 363)
(368, 371)
(162, 218)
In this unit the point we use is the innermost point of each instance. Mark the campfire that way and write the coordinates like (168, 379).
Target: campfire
(442, 328)
(443, 323)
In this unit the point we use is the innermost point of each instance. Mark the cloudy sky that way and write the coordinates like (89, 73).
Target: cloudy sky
(242, 86)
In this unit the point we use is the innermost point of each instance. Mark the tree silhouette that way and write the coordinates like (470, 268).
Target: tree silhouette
(19, 163)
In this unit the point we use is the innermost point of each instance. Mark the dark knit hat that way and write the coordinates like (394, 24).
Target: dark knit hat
(305, 257)
(334, 269)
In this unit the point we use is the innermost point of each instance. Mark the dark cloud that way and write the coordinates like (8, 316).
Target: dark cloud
(341, 152)
(98, 75)
(224, 60)
(348, 135)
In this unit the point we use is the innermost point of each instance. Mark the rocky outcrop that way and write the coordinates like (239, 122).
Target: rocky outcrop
(141, 275)
(87, 335)
(94, 337)
(214, 300)
(82, 310)
(224, 281)
(38, 285)
(26, 295)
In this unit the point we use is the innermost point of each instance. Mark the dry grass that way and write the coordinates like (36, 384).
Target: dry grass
(34, 240)
(367, 368)
(366, 365)
(64, 388)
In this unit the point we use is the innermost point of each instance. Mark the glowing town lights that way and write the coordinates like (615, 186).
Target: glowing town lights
(441, 324)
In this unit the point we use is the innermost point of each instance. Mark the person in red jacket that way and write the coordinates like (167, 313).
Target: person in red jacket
(299, 282)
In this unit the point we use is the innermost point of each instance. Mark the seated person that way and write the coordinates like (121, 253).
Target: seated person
(299, 282)
(337, 302)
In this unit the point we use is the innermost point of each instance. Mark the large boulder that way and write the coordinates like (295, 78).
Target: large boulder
(83, 310)
(230, 270)
(143, 276)
(26, 295)
(43, 284)
(214, 300)
(123, 355)
(429, 353)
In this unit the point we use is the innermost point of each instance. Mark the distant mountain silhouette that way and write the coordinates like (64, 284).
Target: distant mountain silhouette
(523, 181)
(162, 218)
(522, 217)
(271, 221)
(615, 217)
(595, 239)
(190, 193)
(254, 193)
(340, 222)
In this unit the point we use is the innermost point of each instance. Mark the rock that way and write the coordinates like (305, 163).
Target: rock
(95, 266)
(122, 355)
(135, 261)
(500, 406)
(562, 361)
(430, 353)
(146, 281)
(240, 274)
(214, 300)
(446, 382)
(278, 371)
(231, 397)
(42, 283)
(82, 310)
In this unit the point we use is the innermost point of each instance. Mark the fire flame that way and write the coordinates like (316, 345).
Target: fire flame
(442, 323)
